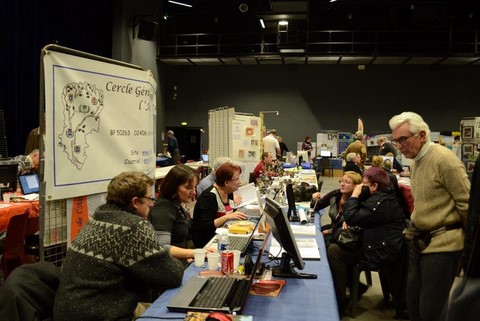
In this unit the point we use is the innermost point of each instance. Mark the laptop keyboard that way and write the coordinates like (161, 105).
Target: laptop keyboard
(219, 292)
(238, 243)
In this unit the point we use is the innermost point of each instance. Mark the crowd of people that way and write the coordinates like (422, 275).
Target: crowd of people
(136, 242)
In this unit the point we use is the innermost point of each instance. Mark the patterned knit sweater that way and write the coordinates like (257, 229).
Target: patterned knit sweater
(108, 265)
(440, 188)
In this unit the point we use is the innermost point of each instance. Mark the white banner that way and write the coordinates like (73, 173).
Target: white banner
(100, 121)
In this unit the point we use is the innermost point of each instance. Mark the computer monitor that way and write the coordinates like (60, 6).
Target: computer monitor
(282, 232)
(304, 156)
(292, 208)
(8, 177)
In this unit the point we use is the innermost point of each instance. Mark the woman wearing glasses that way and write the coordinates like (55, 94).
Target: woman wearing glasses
(373, 207)
(213, 208)
(336, 199)
(169, 216)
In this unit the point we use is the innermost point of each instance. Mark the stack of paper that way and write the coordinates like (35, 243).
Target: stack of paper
(307, 247)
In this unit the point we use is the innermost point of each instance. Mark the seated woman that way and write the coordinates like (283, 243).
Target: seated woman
(336, 199)
(213, 208)
(353, 162)
(374, 208)
(169, 216)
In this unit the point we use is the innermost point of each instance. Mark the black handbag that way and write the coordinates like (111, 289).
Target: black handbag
(350, 237)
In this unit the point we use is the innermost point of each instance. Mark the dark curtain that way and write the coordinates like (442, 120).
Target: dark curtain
(28, 26)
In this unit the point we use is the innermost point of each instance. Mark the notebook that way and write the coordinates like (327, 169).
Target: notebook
(189, 293)
(29, 183)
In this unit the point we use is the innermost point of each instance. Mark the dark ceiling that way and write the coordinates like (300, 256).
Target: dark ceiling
(319, 31)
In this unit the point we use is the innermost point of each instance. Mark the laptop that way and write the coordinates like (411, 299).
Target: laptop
(204, 158)
(29, 184)
(236, 242)
(197, 286)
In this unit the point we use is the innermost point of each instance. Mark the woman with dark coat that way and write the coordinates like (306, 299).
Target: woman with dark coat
(373, 207)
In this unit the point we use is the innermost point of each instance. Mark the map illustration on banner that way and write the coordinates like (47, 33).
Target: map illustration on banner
(83, 104)
(100, 121)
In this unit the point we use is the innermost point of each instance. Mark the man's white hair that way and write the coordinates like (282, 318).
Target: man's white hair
(220, 161)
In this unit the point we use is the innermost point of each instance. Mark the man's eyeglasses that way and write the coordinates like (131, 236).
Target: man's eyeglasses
(151, 199)
(402, 140)
(344, 181)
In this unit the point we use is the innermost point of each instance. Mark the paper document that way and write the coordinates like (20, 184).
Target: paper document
(307, 247)
(248, 193)
(307, 230)
(30, 197)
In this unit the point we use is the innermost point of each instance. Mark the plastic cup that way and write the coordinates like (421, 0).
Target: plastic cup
(236, 258)
(213, 260)
(6, 197)
(199, 256)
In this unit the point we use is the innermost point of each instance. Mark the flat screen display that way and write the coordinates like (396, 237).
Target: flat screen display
(29, 183)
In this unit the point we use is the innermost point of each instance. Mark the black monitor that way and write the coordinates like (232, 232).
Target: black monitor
(282, 232)
(8, 176)
(292, 208)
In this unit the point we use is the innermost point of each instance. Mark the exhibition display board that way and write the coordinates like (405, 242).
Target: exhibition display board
(98, 119)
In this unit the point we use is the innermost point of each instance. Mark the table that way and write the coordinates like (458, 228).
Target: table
(300, 299)
(17, 208)
(162, 161)
(161, 172)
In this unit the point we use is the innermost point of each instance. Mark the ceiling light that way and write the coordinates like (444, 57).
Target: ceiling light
(243, 7)
(292, 50)
(262, 23)
(283, 23)
(180, 3)
(333, 0)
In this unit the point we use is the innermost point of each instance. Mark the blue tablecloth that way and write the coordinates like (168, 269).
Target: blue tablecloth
(162, 161)
(300, 299)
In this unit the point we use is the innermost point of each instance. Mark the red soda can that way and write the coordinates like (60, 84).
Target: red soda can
(227, 262)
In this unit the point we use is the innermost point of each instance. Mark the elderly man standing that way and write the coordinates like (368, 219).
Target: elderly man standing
(270, 144)
(440, 188)
(172, 148)
(357, 147)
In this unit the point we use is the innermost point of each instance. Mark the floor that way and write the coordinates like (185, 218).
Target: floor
(370, 305)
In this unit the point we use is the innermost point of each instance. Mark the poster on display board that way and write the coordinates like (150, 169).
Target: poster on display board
(327, 141)
(99, 120)
(246, 138)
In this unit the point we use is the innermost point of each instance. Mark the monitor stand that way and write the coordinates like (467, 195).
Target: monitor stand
(285, 270)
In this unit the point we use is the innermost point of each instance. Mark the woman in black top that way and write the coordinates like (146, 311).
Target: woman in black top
(169, 215)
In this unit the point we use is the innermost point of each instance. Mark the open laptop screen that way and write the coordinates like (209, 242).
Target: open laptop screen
(29, 183)
(325, 153)
(204, 158)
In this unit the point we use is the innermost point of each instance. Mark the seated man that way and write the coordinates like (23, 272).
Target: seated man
(353, 163)
(28, 163)
(265, 167)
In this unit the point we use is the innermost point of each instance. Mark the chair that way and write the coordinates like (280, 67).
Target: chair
(13, 247)
(252, 179)
(325, 163)
(29, 292)
(32, 241)
(393, 281)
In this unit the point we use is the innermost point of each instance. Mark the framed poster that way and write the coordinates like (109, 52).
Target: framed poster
(467, 132)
